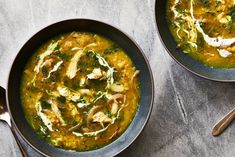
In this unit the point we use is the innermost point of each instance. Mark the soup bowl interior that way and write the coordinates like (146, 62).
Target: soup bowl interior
(196, 67)
(132, 50)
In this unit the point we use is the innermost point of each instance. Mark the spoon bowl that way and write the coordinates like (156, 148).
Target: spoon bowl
(5, 116)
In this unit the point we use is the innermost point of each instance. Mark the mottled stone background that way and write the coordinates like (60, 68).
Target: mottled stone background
(186, 106)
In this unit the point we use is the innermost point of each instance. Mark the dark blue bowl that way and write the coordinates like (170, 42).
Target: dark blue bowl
(132, 50)
(194, 66)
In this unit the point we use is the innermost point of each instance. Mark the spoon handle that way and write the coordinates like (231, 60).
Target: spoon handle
(223, 123)
(24, 153)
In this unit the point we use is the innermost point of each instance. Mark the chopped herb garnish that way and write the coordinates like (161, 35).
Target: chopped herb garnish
(44, 71)
(232, 13)
(45, 104)
(61, 99)
(111, 49)
(73, 98)
(64, 56)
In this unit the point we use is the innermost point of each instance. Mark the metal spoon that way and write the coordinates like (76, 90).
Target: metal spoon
(223, 123)
(5, 116)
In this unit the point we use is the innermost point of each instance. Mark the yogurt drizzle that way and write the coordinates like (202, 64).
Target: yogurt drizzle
(215, 42)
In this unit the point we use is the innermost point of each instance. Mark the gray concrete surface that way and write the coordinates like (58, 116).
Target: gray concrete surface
(186, 106)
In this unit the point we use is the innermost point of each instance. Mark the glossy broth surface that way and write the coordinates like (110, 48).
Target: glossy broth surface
(205, 30)
(80, 91)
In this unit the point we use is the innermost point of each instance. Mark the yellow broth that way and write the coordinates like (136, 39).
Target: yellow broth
(80, 91)
(205, 30)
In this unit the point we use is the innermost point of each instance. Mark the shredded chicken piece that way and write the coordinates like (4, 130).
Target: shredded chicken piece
(114, 100)
(91, 113)
(82, 81)
(68, 44)
(85, 91)
(117, 87)
(110, 71)
(72, 68)
(43, 116)
(63, 91)
(55, 68)
(101, 118)
(56, 110)
(114, 108)
(49, 50)
(97, 73)
(66, 92)
(48, 62)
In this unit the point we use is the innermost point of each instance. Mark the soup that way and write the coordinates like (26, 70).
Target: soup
(205, 30)
(80, 91)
